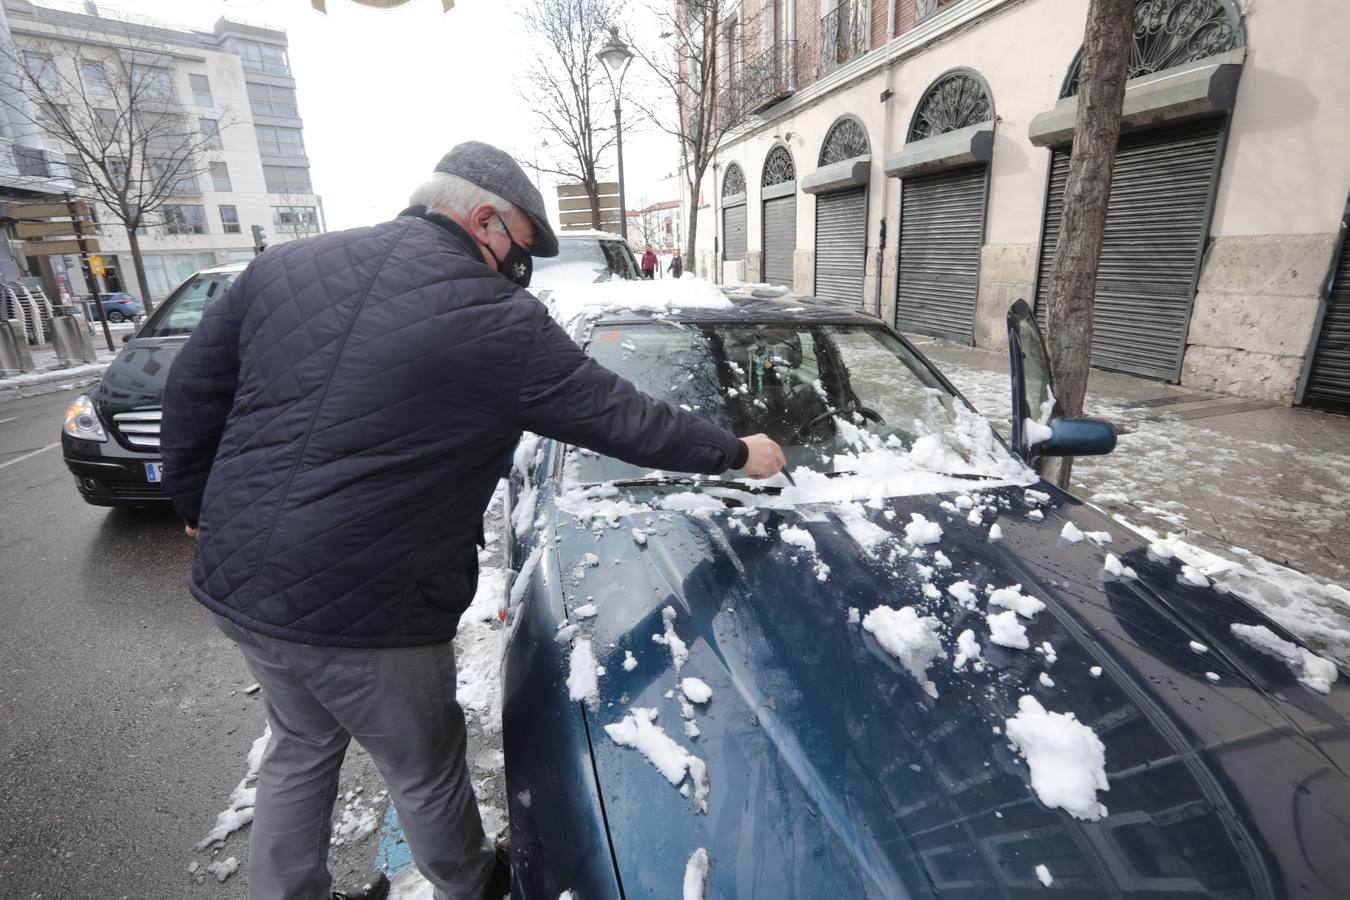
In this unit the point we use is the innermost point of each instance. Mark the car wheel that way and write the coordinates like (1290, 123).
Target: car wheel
(116, 316)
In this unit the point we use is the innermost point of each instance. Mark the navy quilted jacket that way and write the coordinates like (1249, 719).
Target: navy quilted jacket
(338, 421)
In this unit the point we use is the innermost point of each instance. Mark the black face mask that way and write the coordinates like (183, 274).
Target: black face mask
(517, 265)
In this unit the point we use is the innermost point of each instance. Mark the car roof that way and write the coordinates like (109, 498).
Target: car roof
(696, 300)
(223, 269)
(589, 235)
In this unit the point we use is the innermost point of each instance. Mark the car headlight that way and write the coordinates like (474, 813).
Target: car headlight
(82, 422)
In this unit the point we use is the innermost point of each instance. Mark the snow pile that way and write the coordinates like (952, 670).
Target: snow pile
(995, 533)
(629, 661)
(1066, 758)
(638, 731)
(679, 651)
(568, 302)
(1006, 631)
(697, 690)
(1311, 670)
(355, 820)
(1043, 875)
(240, 811)
(920, 531)
(1098, 537)
(1114, 567)
(221, 869)
(1071, 533)
(1013, 598)
(695, 874)
(1192, 576)
(910, 638)
(798, 537)
(583, 684)
(963, 591)
(478, 646)
(967, 650)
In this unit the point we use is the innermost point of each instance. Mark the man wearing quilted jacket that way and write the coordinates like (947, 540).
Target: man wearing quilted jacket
(333, 433)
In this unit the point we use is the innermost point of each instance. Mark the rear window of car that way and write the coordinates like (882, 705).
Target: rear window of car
(179, 315)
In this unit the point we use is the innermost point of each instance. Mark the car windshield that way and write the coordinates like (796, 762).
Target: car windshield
(585, 262)
(839, 399)
(179, 315)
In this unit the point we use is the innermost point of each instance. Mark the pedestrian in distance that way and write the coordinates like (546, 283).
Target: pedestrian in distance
(332, 433)
(649, 264)
(676, 265)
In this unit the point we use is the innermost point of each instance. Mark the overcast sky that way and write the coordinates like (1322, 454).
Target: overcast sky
(386, 92)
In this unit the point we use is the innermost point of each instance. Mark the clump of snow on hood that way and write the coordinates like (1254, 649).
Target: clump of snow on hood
(1098, 537)
(695, 874)
(967, 650)
(1046, 680)
(586, 611)
(798, 537)
(1043, 875)
(583, 683)
(1191, 575)
(696, 689)
(919, 531)
(1071, 533)
(963, 591)
(598, 506)
(863, 530)
(1311, 670)
(679, 651)
(853, 616)
(1031, 496)
(995, 533)
(1006, 631)
(1013, 598)
(665, 295)
(910, 638)
(1066, 758)
(638, 730)
(1197, 647)
(1113, 566)
(629, 661)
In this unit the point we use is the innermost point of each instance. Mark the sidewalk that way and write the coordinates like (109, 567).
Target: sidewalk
(48, 376)
(1223, 473)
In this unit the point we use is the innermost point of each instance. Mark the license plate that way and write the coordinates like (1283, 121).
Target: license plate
(154, 472)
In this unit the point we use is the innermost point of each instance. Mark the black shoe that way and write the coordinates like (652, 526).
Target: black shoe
(499, 885)
(375, 889)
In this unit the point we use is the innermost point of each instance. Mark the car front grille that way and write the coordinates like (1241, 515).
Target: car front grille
(129, 491)
(139, 428)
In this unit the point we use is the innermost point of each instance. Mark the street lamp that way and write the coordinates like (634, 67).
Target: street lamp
(616, 56)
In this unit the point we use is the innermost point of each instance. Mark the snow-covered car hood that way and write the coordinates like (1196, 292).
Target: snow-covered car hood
(845, 746)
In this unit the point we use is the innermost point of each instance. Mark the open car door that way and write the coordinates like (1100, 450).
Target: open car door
(1039, 427)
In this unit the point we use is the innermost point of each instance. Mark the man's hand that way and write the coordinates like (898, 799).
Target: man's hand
(190, 531)
(766, 457)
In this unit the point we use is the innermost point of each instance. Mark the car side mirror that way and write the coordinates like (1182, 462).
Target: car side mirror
(1078, 437)
(126, 339)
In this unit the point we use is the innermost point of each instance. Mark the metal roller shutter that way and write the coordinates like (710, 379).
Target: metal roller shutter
(1155, 233)
(1329, 375)
(780, 239)
(841, 245)
(733, 233)
(941, 229)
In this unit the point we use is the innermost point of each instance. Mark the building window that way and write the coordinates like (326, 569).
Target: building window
(201, 90)
(42, 70)
(267, 58)
(182, 218)
(295, 219)
(271, 100)
(229, 219)
(276, 141)
(95, 80)
(153, 82)
(210, 129)
(51, 117)
(220, 177)
(287, 180)
(31, 161)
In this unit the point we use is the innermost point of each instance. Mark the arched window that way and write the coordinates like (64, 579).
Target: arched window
(733, 182)
(957, 100)
(1168, 33)
(778, 167)
(846, 139)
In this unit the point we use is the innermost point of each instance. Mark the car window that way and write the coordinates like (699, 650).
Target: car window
(585, 261)
(818, 390)
(179, 315)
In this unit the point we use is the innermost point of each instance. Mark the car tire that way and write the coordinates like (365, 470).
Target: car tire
(116, 316)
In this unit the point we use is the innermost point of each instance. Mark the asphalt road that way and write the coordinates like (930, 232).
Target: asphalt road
(124, 724)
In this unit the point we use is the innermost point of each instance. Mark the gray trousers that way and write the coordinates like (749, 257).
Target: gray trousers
(399, 704)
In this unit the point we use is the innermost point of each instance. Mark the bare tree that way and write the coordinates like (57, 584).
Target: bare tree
(113, 111)
(645, 227)
(565, 88)
(692, 49)
(1078, 248)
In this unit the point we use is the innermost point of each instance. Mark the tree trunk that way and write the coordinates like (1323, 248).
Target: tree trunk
(1073, 271)
(691, 228)
(135, 244)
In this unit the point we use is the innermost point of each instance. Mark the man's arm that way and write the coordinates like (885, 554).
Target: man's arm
(197, 400)
(568, 396)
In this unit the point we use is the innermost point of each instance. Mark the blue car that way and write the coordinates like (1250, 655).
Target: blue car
(118, 307)
(919, 671)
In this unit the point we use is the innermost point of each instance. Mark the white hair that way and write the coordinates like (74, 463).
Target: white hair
(454, 196)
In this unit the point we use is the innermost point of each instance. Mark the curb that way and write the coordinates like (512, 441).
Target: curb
(51, 383)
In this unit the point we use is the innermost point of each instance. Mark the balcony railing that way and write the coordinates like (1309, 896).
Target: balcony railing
(926, 9)
(843, 34)
(768, 77)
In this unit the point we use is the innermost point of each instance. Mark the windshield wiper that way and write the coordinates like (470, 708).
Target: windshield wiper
(689, 482)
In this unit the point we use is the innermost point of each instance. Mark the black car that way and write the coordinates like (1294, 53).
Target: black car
(111, 434)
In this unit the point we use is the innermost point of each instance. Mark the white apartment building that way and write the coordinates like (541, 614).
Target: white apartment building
(236, 82)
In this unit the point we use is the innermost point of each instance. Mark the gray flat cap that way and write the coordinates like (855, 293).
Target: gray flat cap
(494, 170)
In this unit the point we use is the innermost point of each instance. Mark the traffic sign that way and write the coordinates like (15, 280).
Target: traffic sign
(96, 265)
